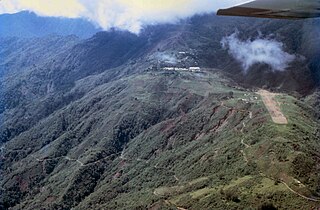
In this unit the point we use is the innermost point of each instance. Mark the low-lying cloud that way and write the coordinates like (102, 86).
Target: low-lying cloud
(129, 15)
(258, 51)
(166, 58)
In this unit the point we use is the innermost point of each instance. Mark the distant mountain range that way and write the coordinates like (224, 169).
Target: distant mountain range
(28, 24)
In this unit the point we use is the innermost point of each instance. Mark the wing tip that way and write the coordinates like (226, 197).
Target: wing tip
(265, 13)
(219, 12)
(223, 12)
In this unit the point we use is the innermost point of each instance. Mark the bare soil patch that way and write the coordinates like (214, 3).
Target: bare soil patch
(273, 107)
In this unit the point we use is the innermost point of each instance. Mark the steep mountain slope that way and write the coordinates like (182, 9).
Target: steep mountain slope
(28, 24)
(106, 123)
(49, 74)
(183, 138)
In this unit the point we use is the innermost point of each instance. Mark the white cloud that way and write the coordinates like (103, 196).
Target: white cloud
(129, 15)
(166, 57)
(250, 52)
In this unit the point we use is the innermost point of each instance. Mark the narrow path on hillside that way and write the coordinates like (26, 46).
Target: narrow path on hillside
(172, 204)
(122, 157)
(76, 160)
(243, 127)
(250, 114)
(244, 144)
(168, 170)
(245, 158)
(295, 192)
(81, 164)
(42, 160)
(2, 151)
(291, 190)
(65, 157)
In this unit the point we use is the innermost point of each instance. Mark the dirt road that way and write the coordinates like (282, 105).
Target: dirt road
(305, 197)
(273, 107)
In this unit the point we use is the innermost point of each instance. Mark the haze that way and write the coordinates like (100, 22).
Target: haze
(123, 14)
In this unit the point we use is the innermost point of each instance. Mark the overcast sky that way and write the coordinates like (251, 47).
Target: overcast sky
(124, 14)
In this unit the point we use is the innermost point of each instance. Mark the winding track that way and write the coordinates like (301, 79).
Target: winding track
(295, 192)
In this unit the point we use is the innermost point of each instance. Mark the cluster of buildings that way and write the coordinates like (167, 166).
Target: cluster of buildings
(191, 69)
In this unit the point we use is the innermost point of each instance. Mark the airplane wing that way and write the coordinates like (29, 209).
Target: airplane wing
(286, 9)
